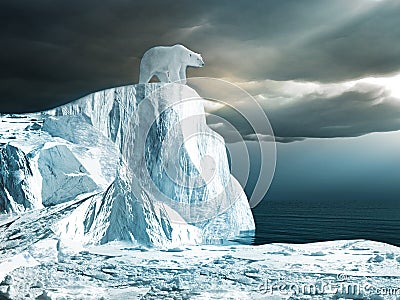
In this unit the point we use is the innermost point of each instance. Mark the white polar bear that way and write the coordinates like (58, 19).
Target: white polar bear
(168, 63)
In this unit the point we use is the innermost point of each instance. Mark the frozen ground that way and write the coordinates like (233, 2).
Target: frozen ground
(34, 264)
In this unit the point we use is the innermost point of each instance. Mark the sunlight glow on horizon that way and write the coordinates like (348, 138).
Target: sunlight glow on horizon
(391, 83)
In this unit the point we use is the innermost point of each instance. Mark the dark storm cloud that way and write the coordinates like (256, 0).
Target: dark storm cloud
(55, 51)
(308, 40)
(366, 43)
(312, 110)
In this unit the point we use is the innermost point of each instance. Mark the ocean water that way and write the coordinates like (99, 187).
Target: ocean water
(308, 221)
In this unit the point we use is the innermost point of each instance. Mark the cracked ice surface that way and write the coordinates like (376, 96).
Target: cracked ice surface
(277, 271)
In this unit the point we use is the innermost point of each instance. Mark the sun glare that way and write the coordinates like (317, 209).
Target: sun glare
(391, 83)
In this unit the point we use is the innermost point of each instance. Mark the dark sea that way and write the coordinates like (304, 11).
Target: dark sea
(312, 220)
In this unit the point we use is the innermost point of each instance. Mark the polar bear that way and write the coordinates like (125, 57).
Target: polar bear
(168, 63)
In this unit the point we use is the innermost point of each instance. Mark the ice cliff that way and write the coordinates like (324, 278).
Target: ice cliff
(153, 171)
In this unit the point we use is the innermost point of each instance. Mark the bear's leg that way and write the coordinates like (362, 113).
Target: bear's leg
(144, 75)
(182, 75)
(163, 77)
(145, 72)
(174, 76)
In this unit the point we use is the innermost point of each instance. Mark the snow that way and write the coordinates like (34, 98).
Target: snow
(20, 260)
(275, 271)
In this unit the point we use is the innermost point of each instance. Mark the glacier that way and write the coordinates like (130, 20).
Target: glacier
(151, 170)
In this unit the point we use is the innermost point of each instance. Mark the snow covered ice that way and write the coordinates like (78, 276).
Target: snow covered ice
(127, 193)
(329, 270)
(140, 151)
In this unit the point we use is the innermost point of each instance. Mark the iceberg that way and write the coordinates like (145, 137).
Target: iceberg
(151, 169)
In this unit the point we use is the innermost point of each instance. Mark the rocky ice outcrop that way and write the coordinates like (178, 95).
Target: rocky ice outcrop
(159, 175)
(38, 169)
(16, 178)
(38, 178)
(65, 177)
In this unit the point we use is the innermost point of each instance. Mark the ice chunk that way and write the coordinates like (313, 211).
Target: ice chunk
(64, 176)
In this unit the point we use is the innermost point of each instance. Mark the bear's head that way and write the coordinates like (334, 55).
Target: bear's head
(195, 60)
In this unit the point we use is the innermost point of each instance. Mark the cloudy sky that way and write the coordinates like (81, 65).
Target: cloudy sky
(319, 69)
